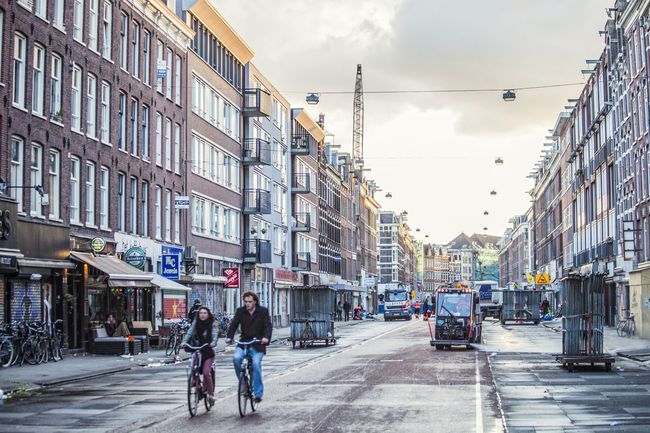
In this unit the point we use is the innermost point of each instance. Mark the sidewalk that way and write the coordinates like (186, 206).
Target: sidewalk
(635, 348)
(77, 367)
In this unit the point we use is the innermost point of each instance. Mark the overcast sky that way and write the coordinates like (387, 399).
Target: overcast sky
(434, 152)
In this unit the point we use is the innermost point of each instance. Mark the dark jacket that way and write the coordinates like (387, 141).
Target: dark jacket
(258, 325)
(347, 306)
(192, 313)
(193, 338)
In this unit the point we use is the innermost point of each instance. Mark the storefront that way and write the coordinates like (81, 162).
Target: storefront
(111, 286)
(640, 299)
(281, 299)
(208, 288)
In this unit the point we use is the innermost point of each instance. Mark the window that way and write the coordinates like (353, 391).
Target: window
(134, 127)
(168, 215)
(93, 22)
(91, 107)
(177, 80)
(159, 57)
(133, 204)
(55, 89)
(121, 202)
(54, 186)
(78, 20)
(57, 13)
(121, 120)
(177, 148)
(76, 99)
(90, 194)
(75, 167)
(2, 36)
(16, 175)
(159, 139)
(168, 75)
(158, 212)
(106, 112)
(38, 81)
(36, 178)
(107, 30)
(146, 58)
(19, 70)
(103, 197)
(135, 50)
(168, 143)
(124, 48)
(177, 224)
(144, 199)
(145, 132)
(215, 220)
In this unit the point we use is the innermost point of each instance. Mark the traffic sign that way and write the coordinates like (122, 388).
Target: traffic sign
(542, 279)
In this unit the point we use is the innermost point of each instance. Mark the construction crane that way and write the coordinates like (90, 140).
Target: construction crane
(357, 127)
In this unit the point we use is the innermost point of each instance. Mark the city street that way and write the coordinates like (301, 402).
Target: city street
(379, 375)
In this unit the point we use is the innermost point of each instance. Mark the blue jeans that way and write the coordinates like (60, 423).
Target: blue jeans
(258, 386)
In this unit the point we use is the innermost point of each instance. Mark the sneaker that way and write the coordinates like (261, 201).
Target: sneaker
(258, 399)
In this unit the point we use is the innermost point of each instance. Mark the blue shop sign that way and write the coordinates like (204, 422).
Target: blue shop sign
(171, 266)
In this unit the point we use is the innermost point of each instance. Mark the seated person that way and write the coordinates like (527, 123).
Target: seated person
(115, 330)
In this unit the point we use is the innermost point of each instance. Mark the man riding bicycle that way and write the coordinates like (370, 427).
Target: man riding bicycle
(255, 323)
(204, 331)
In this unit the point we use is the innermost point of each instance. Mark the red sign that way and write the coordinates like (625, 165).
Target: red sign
(174, 308)
(283, 275)
(232, 278)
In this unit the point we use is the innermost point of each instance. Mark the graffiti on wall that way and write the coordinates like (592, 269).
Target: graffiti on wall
(26, 301)
(174, 307)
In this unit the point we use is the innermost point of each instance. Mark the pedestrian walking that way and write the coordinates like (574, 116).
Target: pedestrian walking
(339, 311)
(425, 310)
(416, 308)
(346, 308)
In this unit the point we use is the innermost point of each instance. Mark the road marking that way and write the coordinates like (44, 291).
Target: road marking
(479, 408)
(391, 360)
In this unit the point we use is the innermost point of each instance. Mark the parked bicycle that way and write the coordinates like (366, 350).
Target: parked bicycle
(626, 327)
(31, 342)
(245, 392)
(196, 390)
(223, 321)
(178, 331)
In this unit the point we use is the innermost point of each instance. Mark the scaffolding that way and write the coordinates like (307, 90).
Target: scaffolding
(521, 305)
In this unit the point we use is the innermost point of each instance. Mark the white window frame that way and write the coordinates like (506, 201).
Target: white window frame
(168, 215)
(121, 122)
(78, 20)
(54, 184)
(19, 69)
(56, 69)
(75, 96)
(107, 27)
(75, 190)
(135, 50)
(121, 201)
(36, 179)
(106, 112)
(145, 132)
(177, 223)
(16, 176)
(144, 200)
(158, 138)
(177, 80)
(158, 211)
(40, 9)
(104, 181)
(177, 148)
(58, 8)
(38, 80)
(133, 204)
(168, 143)
(91, 106)
(91, 174)
(93, 23)
(168, 75)
(124, 44)
(135, 127)
(146, 58)
(160, 47)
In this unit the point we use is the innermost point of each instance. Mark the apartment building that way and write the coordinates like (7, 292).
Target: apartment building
(515, 253)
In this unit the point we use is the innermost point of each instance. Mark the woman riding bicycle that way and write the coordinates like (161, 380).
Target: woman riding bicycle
(204, 331)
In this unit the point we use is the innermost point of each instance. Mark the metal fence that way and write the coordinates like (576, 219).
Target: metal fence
(313, 311)
(582, 324)
(521, 305)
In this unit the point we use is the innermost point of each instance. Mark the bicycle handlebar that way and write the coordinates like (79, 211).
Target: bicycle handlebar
(187, 346)
(246, 343)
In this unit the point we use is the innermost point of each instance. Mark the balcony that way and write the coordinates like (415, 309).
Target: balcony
(257, 201)
(257, 103)
(300, 144)
(302, 222)
(300, 183)
(257, 251)
(301, 262)
(257, 152)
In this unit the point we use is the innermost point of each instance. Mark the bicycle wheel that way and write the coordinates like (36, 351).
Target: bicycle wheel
(6, 353)
(619, 328)
(177, 345)
(55, 347)
(171, 343)
(631, 329)
(192, 393)
(243, 394)
(209, 405)
(251, 390)
(29, 353)
(43, 351)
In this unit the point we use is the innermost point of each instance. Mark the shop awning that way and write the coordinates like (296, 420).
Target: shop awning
(45, 263)
(348, 288)
(120, 274)
(203, 278)
(166, 283)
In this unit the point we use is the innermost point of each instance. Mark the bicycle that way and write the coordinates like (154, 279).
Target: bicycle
(195, 384)
(245, 391)
(626, 327)
(176, 338)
